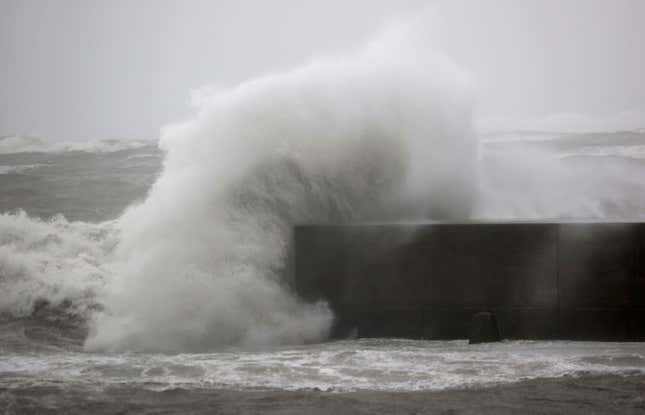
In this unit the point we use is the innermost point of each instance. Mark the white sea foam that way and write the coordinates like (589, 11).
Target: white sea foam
(633, 152)
(530, 183)
(26, 144)
(384, 134)
(201, 261)
(17, 169)
(54, 260)
(377, 364)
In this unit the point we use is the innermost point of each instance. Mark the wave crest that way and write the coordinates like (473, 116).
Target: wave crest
(374, 136)
(52, 261)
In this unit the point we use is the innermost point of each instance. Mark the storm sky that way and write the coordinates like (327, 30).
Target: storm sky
(90, 69)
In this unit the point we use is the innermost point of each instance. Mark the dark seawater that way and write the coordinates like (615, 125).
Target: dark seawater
(85, 186)
(44, 367)
(606, 394)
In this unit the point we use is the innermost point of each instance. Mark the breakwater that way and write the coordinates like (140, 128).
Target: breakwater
(582, 281)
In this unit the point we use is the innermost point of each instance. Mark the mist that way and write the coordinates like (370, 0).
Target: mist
(341, 127)
(87, 70)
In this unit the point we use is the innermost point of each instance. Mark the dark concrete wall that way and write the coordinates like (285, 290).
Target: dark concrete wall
(542, 280)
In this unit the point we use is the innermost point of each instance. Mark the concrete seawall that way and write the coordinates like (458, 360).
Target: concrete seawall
(583, 281)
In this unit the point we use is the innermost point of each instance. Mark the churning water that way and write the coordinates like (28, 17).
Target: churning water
(126, 250)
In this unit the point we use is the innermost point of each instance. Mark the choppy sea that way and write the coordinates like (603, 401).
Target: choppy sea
(42, 346)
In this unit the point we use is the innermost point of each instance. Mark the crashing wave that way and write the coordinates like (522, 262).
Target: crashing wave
(384, 134)
(200, 263)
(53, 262)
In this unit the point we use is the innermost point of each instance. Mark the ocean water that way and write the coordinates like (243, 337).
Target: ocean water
(392, 365)
(89, 184)
(46, 321)
(151, 266)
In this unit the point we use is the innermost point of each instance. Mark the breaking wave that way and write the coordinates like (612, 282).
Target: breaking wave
(201, 262)
(384, 134)
(26, 144)
(60, 262)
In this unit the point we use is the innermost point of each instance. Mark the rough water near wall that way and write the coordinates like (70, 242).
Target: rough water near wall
(181, 247)
(199, 263)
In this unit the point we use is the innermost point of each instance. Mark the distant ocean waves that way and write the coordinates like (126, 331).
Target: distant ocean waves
(387, 365)
(28, 144)
(78, 184)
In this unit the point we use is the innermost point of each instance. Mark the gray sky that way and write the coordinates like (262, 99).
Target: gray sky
(88, 69)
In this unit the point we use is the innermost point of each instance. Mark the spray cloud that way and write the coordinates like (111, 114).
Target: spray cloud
(382, 134)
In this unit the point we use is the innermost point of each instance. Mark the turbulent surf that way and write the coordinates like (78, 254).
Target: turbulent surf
(183, 247)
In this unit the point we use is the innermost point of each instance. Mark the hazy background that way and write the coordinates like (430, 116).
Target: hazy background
(90, 69)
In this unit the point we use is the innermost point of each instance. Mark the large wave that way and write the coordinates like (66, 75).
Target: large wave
(383, 134)
(201, 262)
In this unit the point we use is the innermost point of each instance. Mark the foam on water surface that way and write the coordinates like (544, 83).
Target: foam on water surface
(197, 262)
(377, 364)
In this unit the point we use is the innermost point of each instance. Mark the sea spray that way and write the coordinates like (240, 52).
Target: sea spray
(553, 180)
(383, 134)
(53, 260)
